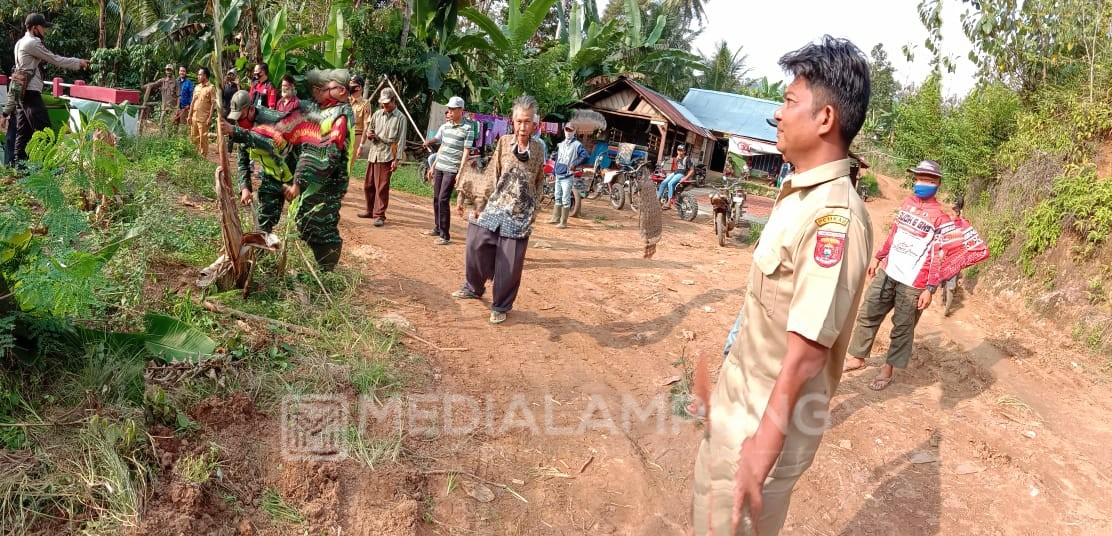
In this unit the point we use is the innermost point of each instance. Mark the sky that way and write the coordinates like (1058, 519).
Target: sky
(768, 29)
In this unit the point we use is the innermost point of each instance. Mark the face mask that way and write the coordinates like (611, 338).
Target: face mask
(924, 191)
(287, 93)
(255, 77)
(521, 157)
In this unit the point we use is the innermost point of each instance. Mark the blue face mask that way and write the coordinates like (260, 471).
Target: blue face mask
(924, 191)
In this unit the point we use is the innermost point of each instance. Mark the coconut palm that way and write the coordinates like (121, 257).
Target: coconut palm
(724, 69)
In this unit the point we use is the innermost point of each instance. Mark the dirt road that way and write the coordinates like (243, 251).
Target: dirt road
(996, 428)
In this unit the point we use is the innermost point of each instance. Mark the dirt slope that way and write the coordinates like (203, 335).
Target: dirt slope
(997, 427)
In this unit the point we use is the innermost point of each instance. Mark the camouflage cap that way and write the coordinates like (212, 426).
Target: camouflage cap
(240, 101)
(321, 77)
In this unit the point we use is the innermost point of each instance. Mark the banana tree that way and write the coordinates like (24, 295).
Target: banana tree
(639, 52)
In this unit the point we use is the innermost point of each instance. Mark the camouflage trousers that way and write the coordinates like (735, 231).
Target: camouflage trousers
(318, 219)
(272, 199)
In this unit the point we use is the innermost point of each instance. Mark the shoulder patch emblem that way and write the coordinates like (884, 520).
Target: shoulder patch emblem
(832, 218)
(829, 247)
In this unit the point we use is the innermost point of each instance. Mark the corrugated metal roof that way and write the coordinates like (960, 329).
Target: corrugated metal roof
(674, 111)
(732, 113)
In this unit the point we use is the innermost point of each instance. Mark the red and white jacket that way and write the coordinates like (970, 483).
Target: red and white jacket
(912, 253)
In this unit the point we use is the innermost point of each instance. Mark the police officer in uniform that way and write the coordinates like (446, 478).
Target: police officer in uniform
(805, 285)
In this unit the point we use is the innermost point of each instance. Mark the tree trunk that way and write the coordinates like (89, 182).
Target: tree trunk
(102, 22)
(123, 23)
(406, 21)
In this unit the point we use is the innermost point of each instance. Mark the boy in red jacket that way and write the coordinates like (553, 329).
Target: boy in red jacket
(906, 271)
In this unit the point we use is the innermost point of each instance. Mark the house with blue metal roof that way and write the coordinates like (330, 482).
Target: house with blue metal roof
(741, 119)
(636, 114)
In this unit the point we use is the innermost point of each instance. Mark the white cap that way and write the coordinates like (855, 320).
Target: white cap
(455, 102)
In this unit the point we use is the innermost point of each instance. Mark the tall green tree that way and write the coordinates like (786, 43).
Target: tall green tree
(884, 88)
(723, 69)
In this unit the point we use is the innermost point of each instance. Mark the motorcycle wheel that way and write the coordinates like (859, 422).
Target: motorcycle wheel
(720, 228)
(687, 207)
(576, 203)
(634, 197)
(548, 195)
(617, 197)
(595, 188)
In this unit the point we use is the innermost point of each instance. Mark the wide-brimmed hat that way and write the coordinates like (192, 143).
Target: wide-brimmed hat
(927, 167)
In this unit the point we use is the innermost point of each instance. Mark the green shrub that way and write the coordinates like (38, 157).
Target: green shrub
(1079, 204)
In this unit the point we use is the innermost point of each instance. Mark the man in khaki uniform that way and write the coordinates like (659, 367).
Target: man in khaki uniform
(201, 112)
(768, 411)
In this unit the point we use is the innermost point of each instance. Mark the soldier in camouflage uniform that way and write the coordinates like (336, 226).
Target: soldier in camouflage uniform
(320, 138)
(260, 146)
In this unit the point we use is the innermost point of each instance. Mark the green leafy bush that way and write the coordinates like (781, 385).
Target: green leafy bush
(1079, 204)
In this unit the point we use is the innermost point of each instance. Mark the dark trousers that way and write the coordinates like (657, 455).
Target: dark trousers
(491, 256)
(886, 294)
(31, 119)
(443, 183)
(376, 188)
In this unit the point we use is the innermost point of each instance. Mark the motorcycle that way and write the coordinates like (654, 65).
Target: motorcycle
(863, 191)
(622, 185)
(687, 206)
(700, 175)
(728, 204)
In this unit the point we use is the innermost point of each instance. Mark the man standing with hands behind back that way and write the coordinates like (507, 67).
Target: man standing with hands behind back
(767, 413)
(385, 132)
(30, 53)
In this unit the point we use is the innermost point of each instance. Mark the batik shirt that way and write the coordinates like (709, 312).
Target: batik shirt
(512, 206)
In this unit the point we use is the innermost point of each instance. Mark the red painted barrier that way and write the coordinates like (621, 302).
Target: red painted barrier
(103, 94)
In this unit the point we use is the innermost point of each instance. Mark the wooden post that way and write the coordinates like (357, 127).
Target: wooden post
(663, 138)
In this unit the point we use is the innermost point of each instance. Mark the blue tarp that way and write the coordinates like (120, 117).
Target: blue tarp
(732, 113)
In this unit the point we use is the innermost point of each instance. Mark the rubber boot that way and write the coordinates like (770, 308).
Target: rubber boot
(555, 214)
(564, 212)
(327, 255)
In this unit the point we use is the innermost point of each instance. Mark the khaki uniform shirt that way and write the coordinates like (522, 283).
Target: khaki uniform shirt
(389, 130)
(204, 101)
(359, 107)
(807, 277)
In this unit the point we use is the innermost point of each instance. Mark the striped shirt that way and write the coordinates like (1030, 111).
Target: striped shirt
(454, 139)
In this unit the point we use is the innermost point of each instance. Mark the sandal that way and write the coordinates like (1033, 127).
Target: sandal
(880, 383)
(497, 317)
(464, 294)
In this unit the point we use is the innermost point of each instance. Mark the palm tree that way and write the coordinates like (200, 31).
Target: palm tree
(723, 69)
(689, 10)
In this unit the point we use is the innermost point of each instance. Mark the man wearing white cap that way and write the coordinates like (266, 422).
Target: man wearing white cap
(906, 270)
(455, 137)
(385, 133)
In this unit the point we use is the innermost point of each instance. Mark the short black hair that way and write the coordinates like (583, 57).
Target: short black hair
(206, 72)
(288, 78)
(838, 74)
(262, 67)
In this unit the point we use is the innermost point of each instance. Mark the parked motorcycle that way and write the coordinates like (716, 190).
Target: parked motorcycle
(622, 185)
(728, 204)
